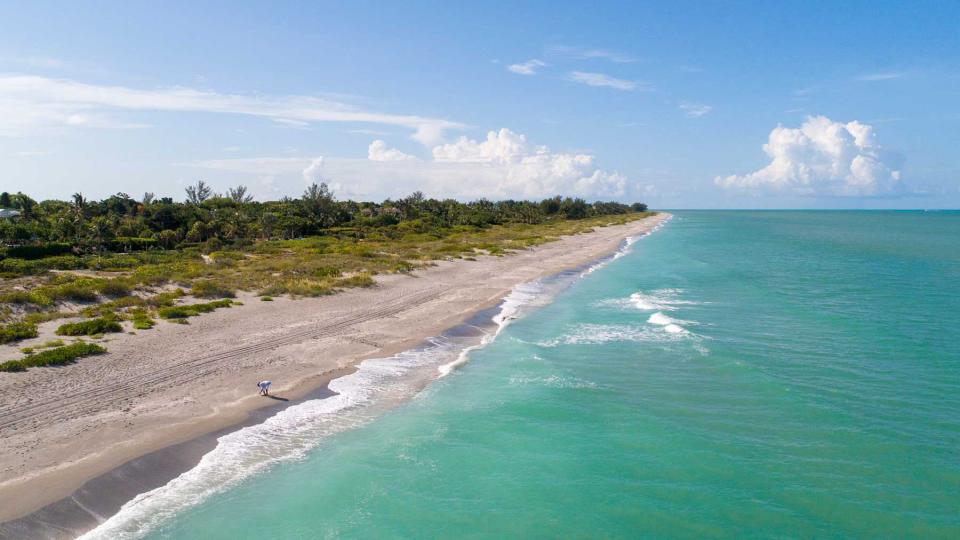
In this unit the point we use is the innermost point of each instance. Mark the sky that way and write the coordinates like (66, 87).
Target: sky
(676, 104)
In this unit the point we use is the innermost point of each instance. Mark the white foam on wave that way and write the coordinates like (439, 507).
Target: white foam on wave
(287, 435)
(523, 296)
(625, 248)
(656, 300)
(668, 323)
(553, 381)
(294, 431)
(596, 334)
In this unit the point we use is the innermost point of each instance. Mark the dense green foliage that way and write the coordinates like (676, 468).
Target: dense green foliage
(53, 357)
(120, 259)
(192, 310)
(90, 327)
(121, 224)
(17, 331)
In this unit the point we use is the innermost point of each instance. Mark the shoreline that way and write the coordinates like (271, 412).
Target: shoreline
(151, 462)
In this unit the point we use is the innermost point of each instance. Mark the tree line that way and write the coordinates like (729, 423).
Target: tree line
(120, 222)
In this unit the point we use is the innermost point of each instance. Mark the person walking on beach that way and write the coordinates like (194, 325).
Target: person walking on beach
(264, 387)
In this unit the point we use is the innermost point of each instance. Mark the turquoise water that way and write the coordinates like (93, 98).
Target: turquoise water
(738, 374)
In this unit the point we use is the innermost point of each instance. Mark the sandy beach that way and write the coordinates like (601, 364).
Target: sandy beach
(62, 427)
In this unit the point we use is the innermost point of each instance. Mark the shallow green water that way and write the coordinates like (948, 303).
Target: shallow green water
(739, 374)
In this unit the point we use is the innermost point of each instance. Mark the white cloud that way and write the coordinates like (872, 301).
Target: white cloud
(695, 110)
(587, 54)
(823, 157)
(504, 165)
(312, 173)
(529, 67)
(533, 171)
(601, 80)
(378, 151)
(30, 102)
(882, 76)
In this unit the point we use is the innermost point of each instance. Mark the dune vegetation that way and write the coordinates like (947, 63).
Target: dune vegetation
(120, 259)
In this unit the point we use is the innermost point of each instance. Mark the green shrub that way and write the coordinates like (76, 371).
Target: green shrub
(17, 331)
(38, 252)
(129, 243)
(54, 357)
(327, 271)
(27, 297)
(209, 289)
(363, 279)
(50, 344)
(115, 288)
(266, 299)
(100, 325)
(192, 310)
(27, 350)
(165, 299)
(143, 322)
(79, 291)
(13, 366)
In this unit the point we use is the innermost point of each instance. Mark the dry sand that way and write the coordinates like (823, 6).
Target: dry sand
(63, 426)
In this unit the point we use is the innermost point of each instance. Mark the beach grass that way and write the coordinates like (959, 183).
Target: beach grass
(143, 285)
(58, 356)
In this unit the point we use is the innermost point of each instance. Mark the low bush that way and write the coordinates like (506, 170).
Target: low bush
(39, 252)
(36, 298)
(17, 331)
(12, 366)
(91, 327)
(79, 291)
(54, 357)
(143, 322)
(362, 279)
(210, 289)
(115, 288)
(192, 310)
(164, 299)
(266, 299)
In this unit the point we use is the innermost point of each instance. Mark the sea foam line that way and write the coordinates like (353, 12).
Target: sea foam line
(293, 432)
(286, 436)
(625, 247)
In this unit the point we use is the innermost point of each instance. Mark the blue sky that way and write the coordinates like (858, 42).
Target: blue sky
(729, 105)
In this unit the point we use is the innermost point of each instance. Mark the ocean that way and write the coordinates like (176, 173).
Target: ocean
(733, 374)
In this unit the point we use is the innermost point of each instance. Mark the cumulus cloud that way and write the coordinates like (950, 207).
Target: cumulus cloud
(313, 173)
(379, 151)
(601, 80)
(504, 165)
(28, 103)
(529, 67)
(526, 170)
(823, 157)
(695, 110)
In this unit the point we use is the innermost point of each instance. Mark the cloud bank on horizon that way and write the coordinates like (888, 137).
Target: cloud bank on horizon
(823, 157)
(504, 165)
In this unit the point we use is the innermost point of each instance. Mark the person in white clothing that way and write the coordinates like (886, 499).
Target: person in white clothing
(264, 387)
